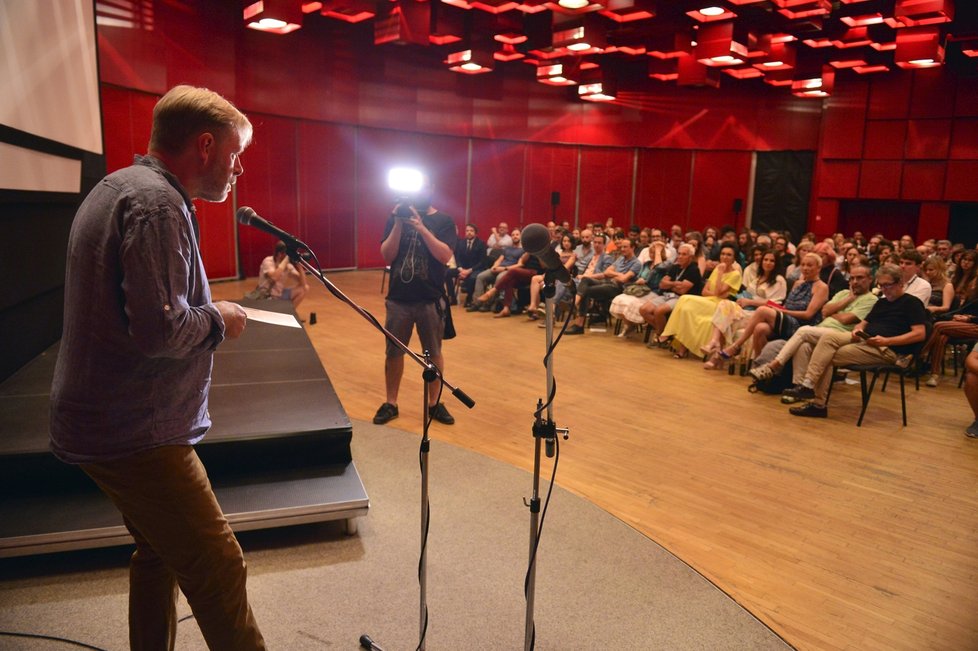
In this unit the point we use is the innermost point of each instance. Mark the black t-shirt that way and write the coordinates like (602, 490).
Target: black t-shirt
(416, 275)
(690, 273)
(894, 318)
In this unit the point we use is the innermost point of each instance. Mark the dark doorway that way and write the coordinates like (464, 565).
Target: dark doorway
(891, 218)
(782, 187)
(963, 226)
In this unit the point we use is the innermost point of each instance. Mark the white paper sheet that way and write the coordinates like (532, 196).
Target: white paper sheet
(275, 318)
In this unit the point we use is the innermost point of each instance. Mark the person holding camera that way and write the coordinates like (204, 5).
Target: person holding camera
(418, 243)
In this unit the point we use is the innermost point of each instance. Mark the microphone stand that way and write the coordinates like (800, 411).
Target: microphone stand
(429, 374)
(544, 430)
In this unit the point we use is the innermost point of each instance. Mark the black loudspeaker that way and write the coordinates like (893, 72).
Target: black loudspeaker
(738, 204)
(554, 198)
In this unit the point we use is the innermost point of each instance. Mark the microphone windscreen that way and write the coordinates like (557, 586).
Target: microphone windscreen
(245, 214)
(535, 239)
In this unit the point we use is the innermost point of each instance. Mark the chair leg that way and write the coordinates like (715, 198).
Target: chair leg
(903, 400)
(866, 393)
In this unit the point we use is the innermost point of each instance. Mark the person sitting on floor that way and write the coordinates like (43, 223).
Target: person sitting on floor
(607, 285)
(772, 321)
(279, 278)
(841, 314)
(894, 328)
(690, 322)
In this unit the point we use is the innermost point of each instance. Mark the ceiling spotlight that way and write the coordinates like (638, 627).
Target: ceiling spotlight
(273, 16)
(712, 11)
(573, 4)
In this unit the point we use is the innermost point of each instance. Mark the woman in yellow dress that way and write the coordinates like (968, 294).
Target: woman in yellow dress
(691, 323)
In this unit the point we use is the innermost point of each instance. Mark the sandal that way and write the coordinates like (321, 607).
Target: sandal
(532, 316)
(733, 353)
(714, 363)
(681, 354)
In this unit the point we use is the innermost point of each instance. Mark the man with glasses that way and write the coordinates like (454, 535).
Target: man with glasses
(895, 327)
(840, 315)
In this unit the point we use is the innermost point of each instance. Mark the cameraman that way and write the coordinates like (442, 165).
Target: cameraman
(418, 243)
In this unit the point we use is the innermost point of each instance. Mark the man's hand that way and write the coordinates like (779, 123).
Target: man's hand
(234, 318)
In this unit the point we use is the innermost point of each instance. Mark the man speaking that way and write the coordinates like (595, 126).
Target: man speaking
(129, 398)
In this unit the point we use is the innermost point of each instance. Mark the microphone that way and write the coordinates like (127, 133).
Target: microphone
(249, 217)
(536, 242)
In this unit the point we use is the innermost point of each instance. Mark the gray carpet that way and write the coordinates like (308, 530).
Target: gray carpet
(600, 584)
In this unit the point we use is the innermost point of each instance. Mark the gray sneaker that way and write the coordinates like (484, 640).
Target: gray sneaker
(972, 431)
(762, 372)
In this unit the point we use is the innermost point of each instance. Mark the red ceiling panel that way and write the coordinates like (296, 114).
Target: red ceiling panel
(885, 139)
(880, 179)
(929, 139)
(923, 181)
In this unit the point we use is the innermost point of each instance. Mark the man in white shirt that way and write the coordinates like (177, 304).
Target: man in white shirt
(913, 284)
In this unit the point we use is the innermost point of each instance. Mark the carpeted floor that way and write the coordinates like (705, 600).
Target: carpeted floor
(600, 584)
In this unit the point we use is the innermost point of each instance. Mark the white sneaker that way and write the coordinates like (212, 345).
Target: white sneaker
(932, 380)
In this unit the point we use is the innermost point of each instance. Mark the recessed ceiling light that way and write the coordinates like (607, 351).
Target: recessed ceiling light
(712, 11)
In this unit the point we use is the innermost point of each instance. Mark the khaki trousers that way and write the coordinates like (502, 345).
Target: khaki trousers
(836, 349)
(182, 539)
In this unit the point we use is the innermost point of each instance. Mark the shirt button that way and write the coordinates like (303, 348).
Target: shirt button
(166, 307)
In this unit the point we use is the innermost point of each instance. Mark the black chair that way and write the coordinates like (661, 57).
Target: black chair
(866, 389)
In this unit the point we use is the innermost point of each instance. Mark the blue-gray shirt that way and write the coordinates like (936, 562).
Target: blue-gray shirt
(621, 265)
(134, 368)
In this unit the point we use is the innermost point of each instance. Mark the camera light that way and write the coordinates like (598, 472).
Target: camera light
(405, 180)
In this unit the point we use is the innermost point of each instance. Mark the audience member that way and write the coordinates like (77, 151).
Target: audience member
(499, 237)
(682, 278)
(690, 323)
(279, 278)
(470, 256)
(772, 321)
(894, 328)
(942, 298)
(913, 284)
(623, 270)
(971, 390)
(841, 314)
(509, 256)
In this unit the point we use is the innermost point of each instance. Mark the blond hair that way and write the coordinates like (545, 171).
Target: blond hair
(185, 111)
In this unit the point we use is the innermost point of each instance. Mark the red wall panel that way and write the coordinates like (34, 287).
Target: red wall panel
(718, 179)
(933, 94)
(966, 99)
(826, 217)
(606, 183)
(934, 221)
(960, 185)
(838, 178)
(880, 179)
(889, 96)
(662, 192)
(269, 186)
(553, 168)
(498, 169)
(327, 192)
(217, 239)
(844, 122)
(964, 139)
(923, 180)
(930, 139)
(885, 139)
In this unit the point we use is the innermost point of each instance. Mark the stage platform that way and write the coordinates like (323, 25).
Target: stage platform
(278, 452)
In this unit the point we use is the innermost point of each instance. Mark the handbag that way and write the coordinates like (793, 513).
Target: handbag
(637, 290)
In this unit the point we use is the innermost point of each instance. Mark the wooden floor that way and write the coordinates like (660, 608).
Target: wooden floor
(837, 537)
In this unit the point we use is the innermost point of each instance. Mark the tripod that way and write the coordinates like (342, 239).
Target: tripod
(429, 374)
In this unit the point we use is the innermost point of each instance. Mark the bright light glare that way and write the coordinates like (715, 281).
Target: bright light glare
(405, 180)
(712, 11)
(271, 23)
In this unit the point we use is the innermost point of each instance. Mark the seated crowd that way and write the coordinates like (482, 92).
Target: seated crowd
(793, 312)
